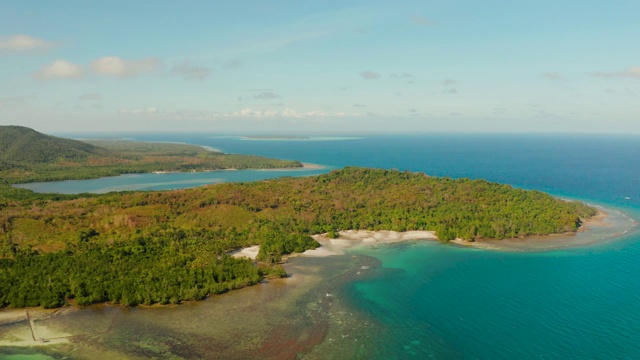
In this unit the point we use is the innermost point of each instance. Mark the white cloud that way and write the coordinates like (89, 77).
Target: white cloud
(191, 72)
(370, 75)
(290, 113)
(115, 66)
(22, 42)
(243, 114)
(255, 113)
(632, 72)
(150, 110)
(59, 69)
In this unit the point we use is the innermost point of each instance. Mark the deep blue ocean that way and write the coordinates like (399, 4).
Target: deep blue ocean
(447, 302)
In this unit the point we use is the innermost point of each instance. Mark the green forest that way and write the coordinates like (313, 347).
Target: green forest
(29, 156)
(170, 246)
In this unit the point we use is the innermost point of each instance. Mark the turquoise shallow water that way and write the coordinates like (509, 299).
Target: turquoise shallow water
(435, 301)
(578, 304)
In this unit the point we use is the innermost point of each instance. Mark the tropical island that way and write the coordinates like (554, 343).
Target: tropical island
(172, 246)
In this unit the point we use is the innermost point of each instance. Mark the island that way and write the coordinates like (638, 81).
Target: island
(172, 246)
(29, 156)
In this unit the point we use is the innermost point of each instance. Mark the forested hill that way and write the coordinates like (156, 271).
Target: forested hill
(27, 156)
(132, 240)
(22, 145)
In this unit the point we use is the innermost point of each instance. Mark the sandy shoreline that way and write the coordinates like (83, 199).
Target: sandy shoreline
(605, 226)
(248, 252)
(593, 230)
(305, 166)
(353, 238)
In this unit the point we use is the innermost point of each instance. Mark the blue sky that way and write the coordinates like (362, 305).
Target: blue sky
(323, 66)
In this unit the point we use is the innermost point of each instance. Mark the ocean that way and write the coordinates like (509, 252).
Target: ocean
(431, 300)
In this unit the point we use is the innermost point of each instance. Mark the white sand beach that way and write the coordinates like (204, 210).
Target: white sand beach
(249, 252)
(351, 238)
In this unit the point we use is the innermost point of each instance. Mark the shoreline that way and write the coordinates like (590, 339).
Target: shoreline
(591, 231)
(607, 225)
(305, 166)
(354, 238)
(21, 336)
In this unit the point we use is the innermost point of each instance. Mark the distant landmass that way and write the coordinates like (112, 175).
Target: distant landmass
(167, 247)
(29, 156)
(276, 137)
(22, 146)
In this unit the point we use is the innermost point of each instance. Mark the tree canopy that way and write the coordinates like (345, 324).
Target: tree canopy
(149, 247)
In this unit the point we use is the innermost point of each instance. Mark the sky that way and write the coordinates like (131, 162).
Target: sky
(321, 66)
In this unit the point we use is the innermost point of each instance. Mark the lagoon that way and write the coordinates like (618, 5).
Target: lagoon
(163, 181)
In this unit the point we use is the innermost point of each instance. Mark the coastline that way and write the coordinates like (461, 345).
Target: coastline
(305, 166)
(308, 279)
(279, 326)
(354, 238)
(606, 225)
(593, 230)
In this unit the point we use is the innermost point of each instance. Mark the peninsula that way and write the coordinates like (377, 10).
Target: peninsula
(29, 156)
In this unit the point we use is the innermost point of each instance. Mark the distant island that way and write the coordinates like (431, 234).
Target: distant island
(275, 137)
(172, 246)
(294, 138)
(29, 156)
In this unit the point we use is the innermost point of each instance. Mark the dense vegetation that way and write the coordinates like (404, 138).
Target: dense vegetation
(163, 269)
(148, 247)
(28, 156)
(23, 146)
